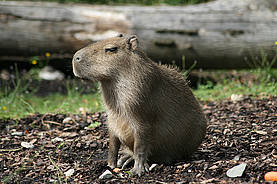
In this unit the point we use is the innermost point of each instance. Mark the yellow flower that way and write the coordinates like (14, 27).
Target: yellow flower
(47, 54)
(34, 62)
(4, 108)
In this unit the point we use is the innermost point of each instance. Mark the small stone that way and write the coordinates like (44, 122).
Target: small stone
(236, 171)
(27, 145)
(17, 133)
(69, 173)
(107, 174)
(67, 120)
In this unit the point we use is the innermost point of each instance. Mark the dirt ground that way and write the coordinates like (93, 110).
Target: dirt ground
(238, 132)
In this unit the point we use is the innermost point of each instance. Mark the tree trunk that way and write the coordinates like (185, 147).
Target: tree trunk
(218, 34)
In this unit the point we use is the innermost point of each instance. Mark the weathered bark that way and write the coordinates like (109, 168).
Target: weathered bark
(218, 34)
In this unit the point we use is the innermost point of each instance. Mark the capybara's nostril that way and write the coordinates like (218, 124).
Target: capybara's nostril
(78, 58)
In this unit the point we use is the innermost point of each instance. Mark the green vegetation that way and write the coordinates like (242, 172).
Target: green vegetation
(17, 103)
(140, 2)
(260, 81)
(23, 105)
(224, 89)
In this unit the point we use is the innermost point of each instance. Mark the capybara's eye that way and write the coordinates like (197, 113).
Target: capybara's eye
(111, 49)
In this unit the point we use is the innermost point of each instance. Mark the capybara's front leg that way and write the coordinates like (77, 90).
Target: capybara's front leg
(114, 146)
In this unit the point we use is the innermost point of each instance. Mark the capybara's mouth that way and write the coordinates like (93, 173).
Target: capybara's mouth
(74, 69)
(77, 72)
(80, 76)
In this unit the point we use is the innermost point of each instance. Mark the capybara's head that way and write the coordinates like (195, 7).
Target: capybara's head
(104, 60)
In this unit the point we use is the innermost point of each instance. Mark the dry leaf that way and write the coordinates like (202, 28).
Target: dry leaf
(260, 132)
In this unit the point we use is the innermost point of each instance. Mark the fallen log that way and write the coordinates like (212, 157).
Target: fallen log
(218, 34)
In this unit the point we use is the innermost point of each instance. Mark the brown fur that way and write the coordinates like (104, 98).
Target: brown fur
(151, 110)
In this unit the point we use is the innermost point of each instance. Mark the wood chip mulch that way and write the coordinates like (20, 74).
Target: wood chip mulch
(238, 132)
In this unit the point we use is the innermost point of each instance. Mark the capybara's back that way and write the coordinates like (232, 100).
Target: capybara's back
(181, 123)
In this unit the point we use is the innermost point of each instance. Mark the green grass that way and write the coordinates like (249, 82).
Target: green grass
(15, 102)
(25, 104)
(226, 88)
(259, 81)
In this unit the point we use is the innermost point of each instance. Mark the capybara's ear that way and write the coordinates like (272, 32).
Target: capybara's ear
(132, 42)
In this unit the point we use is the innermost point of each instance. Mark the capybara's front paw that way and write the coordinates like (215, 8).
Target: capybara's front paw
(140, 169)
(112, 164)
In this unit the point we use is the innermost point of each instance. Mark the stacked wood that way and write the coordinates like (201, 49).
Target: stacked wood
(218, 34)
